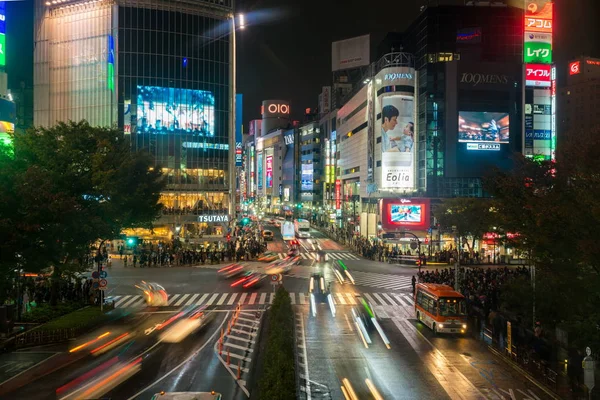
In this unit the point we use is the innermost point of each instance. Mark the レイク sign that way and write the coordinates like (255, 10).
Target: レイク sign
(213, 218)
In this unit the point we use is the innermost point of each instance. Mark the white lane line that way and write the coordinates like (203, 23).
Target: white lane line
(212, 299)
(301, 298)
(243, 298)
(389, 299)
(252, 298)
(232, 299)
(192, 299)
(271, 297)
(306, 376)
(456, 385)
(193, 355)
(140, 302)
(351, 298)
(341, 298)
(121, 300)
(172, 299)
(222, 299)
(181, 299)
(263, 296)
(368, 296)
(293, 298)
(204, 296)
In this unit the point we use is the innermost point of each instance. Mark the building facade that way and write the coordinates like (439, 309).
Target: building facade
(158, 70)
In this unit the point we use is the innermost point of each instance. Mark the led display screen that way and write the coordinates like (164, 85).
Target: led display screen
(410, 213)
(483, 127)
(163, 110)
(406, 214)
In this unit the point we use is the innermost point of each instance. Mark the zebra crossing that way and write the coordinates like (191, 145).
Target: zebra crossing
(328, 256)
(366, 279)
(226, 300)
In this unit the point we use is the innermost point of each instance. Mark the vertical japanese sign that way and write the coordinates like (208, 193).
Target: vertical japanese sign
(269, 171)
(239, 105)
(110, 71)
(259, 171)
(2, 33)
(338, 194)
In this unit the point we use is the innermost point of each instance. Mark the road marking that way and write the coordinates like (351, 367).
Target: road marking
(389, 299)
(212, 299)
(301, 299)
(293, 298)
(243, 298)
(237, 346)
(241, 339)
(308, 392)
(271, 298)
(121, 300)
(381, 301)
(204, 296)
(131, 301)
(222, 299)
(232, 299)
(348, 322)
(351, 298)
(400, 300)
(181, 299)
(263, 296)
(191, 300)
(252, 298)
(341, 298)
(368, 296)
(172, 299)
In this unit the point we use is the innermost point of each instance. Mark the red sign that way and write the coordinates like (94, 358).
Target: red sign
(338, 194)
(538, 75)
(574, 68)
(410, 214)
(592, 62)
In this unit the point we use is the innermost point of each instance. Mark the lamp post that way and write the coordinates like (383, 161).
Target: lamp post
(232, 105)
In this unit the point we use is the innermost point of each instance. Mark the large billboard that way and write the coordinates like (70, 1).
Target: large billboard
(162, 110)
(538, 75)
(483, 127)
(397, 142)
(539, 16)
(259, 170)
(2, 33)
(538, 48)
(405, 214)
(239, 128)
(350, 53)
(269, 171)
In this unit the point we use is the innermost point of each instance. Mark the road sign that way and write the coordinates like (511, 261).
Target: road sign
(102, 288)
(95, 285)
(276, 279)
(95, 274)
(103, 274)
(103, 282)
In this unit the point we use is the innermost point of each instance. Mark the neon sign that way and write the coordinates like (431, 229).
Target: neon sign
(538, 75)
(575, 68)
(276, 108)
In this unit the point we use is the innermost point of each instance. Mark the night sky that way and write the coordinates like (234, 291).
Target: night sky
(285, 52)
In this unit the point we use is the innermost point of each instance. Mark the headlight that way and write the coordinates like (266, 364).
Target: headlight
(441, 326)
(464, 326)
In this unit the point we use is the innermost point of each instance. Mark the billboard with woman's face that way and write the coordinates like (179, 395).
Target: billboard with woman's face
(397, 142)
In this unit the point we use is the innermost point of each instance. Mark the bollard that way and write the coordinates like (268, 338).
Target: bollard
(239, 375)
(222, 335)
(229, 328)
(228, 358)
(220, 348)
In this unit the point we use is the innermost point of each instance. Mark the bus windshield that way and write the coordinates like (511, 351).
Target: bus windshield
(452, 307)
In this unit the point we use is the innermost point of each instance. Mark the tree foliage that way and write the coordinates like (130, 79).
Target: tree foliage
(468, 217)
(66, 187)
(554, 209)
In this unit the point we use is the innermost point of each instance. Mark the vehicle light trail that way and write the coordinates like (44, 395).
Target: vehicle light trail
(73, 350)
(381, 333)
(312, 305)
(373, 389)
(350, 389)
(331, 304)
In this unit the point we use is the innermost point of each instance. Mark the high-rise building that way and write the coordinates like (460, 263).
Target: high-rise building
(579, 99)
(158, 70)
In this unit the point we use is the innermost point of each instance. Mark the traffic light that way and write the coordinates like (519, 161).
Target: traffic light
(131, 241)
(228, 237)
(245, 221)
(299, 205)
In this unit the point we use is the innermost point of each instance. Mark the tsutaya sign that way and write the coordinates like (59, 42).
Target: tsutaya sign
(213, 218)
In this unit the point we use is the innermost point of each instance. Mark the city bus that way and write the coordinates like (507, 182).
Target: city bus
(441, 308)
(302, 228)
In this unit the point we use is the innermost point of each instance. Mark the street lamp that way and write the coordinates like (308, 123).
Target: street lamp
(232, 122)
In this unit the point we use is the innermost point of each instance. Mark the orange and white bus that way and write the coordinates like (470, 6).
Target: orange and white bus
(441, 308)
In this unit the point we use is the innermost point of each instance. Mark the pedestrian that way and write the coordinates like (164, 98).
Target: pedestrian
(414, 283)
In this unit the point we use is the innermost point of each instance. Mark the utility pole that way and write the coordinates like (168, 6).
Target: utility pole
(457, 261)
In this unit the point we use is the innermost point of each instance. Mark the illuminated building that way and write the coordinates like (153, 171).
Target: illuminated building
(161, 74)
(579, 98)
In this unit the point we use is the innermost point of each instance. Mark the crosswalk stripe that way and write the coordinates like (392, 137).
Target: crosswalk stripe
(381, 300)
(341, 298)
(301, 298)
(368, 296)
(252, 298)
(263, 296)
(389, 298)
(293, 298)
(232, 299)
(204, 296)
(192, 299)
(212, 299)
(181, 299)
(222, 299)
(121, 300)
(131, 301)
(351, 299)
(172, 298)
(243, 298)
(271, 298)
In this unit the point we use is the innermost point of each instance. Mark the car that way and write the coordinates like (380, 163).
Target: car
(268, 235)
(249, 279)
(269, 256)
(154, 294)
(231, 270)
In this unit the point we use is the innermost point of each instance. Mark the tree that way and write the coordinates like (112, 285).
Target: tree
(468, 217)
(72, 185)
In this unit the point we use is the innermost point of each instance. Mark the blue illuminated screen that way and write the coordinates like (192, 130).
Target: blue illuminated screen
(163, 110)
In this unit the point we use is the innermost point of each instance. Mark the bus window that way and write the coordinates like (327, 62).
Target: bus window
(452, 307)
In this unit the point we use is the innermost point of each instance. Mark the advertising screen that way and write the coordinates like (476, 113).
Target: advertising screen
(287, 230)
(483, 127)
(168, 110)
(405, 213)
(259, 173)
(269, 170)
(397, 142)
